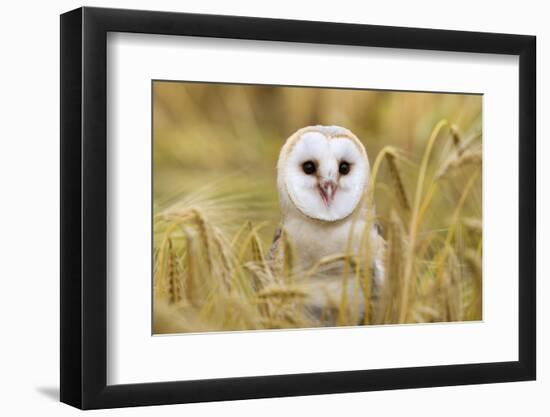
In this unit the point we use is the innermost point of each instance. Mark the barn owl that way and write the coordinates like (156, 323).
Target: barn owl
(322, 177)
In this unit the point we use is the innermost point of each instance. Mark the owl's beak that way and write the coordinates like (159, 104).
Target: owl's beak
(327, 189)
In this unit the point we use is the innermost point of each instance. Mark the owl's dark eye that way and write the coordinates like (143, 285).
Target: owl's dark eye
(309, 167)
(344, 168)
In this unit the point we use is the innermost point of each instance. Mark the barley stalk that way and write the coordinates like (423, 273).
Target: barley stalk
(414, 225)
(394, 170)
(173, 279)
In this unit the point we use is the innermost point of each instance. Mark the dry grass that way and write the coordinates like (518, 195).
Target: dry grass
(211, 275)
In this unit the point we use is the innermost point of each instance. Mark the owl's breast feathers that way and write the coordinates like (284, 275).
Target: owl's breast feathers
(313, 243)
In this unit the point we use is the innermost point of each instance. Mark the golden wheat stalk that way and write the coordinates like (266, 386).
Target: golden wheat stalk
(174, 291)
(467, 158)
(457, 140)
(473, 223)
(398, 182)
(192, 271)
(282, 292)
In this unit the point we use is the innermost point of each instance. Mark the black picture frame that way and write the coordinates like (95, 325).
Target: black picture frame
(84, 207)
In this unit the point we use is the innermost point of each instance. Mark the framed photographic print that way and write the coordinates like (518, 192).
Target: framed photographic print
(258, 207)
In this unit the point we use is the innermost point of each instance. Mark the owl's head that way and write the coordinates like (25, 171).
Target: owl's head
(322, 172)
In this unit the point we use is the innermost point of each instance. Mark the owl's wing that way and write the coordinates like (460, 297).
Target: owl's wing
(379, 253)
(275, 243)
(378, 228)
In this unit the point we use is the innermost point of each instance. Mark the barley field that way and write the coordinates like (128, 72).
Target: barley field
(216, 210)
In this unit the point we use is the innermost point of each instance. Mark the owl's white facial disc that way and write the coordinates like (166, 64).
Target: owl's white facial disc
(325, 176)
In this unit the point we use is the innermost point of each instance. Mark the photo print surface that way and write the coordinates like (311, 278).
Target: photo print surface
(279, 207)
